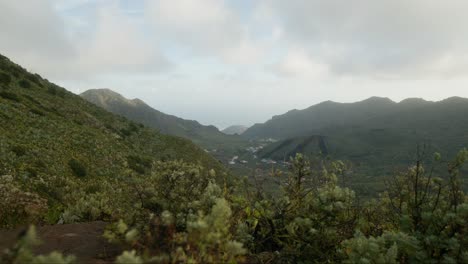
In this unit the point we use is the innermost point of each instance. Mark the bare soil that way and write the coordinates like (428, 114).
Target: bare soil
(83, 240)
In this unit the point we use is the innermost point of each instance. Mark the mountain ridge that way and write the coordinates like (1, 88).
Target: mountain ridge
(208, 137)
(328, 113)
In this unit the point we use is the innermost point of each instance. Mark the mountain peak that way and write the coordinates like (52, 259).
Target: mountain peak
(103, 91)
(234, 129)
(413, 101)
(104, 96)
(377, 99)
(455, 99)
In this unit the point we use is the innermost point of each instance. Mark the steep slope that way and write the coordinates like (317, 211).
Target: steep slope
(208, 137)
(48, 135)
(235, 129)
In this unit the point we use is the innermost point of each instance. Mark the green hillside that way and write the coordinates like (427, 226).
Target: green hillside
(208, 137)
(51, 138)
(377, 136)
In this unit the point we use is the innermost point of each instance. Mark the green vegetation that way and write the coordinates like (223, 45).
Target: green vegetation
(377, 136)
(64, 160)
(179, 214)
(51, 139)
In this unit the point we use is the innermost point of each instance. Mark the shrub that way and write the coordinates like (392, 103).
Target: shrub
(10, 96)
(24, 84)
(18, 206)
(55, 90)
(18, 150)
(77, 168)
(52, 90)
(5, 79)
(37, 111)
(35, 78)
(138, 164)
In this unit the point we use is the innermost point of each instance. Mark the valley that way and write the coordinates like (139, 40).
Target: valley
(142, 186)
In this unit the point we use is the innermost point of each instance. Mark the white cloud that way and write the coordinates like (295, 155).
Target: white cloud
(391, 38)
(228, 49)
(117, 44)
(297, 63)
(37, 38)
(204, 27)
(31, 33)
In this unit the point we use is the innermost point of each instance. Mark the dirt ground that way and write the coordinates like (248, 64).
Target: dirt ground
(84, 240)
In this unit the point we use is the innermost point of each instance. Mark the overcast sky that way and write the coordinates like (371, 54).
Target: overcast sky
(242, 61)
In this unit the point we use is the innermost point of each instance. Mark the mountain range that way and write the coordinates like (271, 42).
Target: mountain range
(378, 136)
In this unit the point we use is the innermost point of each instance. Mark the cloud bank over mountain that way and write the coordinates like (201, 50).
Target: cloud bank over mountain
(246, 59)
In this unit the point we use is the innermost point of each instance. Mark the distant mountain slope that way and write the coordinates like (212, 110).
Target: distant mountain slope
(236, 129)
(373, 112)
(302, 122)
(376, 135)
(206, 136)
(49, 134)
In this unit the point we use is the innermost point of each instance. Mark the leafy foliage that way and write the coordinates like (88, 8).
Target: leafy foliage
(169, 202)
(49, 136)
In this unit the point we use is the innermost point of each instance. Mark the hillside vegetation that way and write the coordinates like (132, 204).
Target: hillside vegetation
(52, 140)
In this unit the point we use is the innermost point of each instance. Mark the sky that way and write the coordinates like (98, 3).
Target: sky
(225, 62)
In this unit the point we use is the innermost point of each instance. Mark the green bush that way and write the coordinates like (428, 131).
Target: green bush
(24, 84)
(139, 164)
(35, 78)
(37, 112)
(5, 79)
(10, 96)
(77, 168)
(19, 150)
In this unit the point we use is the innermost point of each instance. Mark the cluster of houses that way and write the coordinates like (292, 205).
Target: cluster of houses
(235, 159)
(268, 161)
(254, 149)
